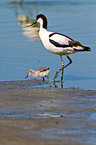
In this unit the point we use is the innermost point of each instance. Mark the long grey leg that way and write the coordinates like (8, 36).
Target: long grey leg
(57, 72)
(62, 61)
(70, 61)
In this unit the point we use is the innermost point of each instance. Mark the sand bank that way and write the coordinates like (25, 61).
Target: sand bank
(46, 116)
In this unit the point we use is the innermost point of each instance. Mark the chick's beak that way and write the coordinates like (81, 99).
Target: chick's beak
(26, 77)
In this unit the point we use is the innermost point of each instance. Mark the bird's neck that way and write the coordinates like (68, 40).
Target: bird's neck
(42, 33)
(42, 29)
(32, 72)
(43, 24)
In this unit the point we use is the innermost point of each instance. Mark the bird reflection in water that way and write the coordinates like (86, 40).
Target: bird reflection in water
(16, 2)
(62, 73)
(24, 15)
(30, 32)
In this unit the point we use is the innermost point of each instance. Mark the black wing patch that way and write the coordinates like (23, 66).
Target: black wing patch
(72, 43)
(75, 43)
(58, 45)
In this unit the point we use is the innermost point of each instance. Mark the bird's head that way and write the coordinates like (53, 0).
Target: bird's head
(29, 73)
(42, 20)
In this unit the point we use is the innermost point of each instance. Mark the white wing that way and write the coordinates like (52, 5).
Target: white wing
(59, 39)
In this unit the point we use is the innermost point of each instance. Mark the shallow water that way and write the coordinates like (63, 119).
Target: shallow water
(20, 50)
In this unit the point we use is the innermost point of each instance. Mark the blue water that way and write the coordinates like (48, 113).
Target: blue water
(19, 52)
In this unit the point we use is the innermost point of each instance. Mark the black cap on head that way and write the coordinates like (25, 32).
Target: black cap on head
(44, 20)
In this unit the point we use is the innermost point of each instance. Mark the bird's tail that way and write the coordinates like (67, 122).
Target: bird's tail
(85, 48)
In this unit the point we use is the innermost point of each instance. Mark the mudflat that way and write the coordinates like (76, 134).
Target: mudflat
(46, 116)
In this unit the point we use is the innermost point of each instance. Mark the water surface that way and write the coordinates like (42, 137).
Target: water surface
(20, 50)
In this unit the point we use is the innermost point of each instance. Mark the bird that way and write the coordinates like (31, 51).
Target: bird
(58, 43)
(41, 72)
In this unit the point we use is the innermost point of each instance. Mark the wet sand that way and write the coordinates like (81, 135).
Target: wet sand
(51, 116)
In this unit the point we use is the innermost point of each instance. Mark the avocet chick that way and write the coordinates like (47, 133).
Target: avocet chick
(41, 72)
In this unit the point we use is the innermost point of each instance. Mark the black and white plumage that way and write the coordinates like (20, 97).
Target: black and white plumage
(58, 43)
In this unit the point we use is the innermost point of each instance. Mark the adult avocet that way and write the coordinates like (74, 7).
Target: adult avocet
(41, 72)
(58, 43)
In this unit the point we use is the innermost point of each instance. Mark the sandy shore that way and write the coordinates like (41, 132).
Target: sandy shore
(46, 116)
